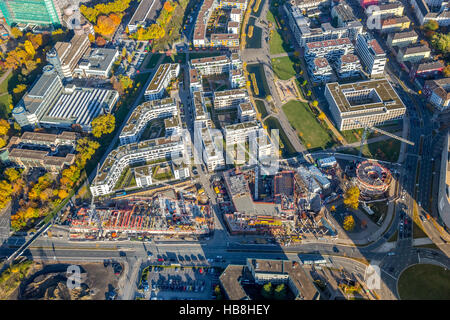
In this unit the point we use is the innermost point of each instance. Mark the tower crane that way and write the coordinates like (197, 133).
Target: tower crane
(368, 127)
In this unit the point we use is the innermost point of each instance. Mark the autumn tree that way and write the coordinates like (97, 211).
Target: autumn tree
(16, 33)
(266, 290)
(103, 124)
(431, 25)
(125, 82)
(12, 174)
(4, 127)
(2, 142)
(446, 71)
(29, 48)
(19, 88)
(168, 6)
(100, 41)
(441, 42)
(86, 149)
(351, 197)
(5, 193)
(349, 223)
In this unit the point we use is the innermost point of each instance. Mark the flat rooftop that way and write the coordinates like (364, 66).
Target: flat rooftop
(389, 98)
(142, 11)
(230, 282)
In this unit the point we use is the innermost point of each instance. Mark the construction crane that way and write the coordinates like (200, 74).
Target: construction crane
(367, 128)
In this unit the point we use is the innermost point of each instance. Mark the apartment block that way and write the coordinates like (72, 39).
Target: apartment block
(211, 65)
(201, 114)
(236, 78)
(143, 114)
(369, 103)
(304, 33)
(395, 24)
(29, 158)
(328, 48)
(229, 40)
(246, 112)
(437, 10)
(212, 149)
(163, 76)
(413, 54)
(320, 70)
(438, 93)
(426, 70)
(388, 9)
(229, 98)
(371, 54)
(347, 66)
(138, 152)
(402, 39)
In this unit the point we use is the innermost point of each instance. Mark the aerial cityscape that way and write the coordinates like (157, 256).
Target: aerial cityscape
(224, 150)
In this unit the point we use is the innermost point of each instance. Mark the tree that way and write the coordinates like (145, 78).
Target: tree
(62, 194)
(280, 292)
(100, 41)
(16, 33)
(266, 290)
(446, 71)
(4, 127)
(29, 48)
(125, 81)
(315, 103)
(349, 223)
(2, 142)
(168, 6)
(431, 25)
(321, 116)
(19, 88)
(86, 149)
(91, 37)
(103, 124)
(441, 42)
(12, 174)
(351, 197)
(218, 292)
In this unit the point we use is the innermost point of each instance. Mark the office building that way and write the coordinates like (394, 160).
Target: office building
(97, 63)
(161, 79)
(49, 104)
(371, 54)
(140, 16)
(284, 271)
(369, 103)
(35, 12)
(64, 56)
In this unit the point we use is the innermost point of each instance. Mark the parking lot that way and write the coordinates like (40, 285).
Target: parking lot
(178, 283)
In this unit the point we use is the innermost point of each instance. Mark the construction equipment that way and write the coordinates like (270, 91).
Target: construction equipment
(367, 128)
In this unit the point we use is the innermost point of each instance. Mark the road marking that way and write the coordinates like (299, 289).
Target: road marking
(389, 274)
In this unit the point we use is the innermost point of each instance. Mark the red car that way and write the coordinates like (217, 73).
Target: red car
(160, 260)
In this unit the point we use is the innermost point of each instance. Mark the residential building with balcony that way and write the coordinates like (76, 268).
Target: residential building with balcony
(371, 54)
(161, 79)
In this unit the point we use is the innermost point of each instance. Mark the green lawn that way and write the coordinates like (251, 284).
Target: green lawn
(424, 282)
(261, 108)
(287, 149)
(386, 150)
(283, 68)
(276, 43)
(309, 129)
(270, 17)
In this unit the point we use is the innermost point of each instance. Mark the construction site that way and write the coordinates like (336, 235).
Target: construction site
(286, 206)
(372, 178)
(162, 215)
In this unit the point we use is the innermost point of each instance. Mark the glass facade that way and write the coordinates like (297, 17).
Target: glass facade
(40, 12)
